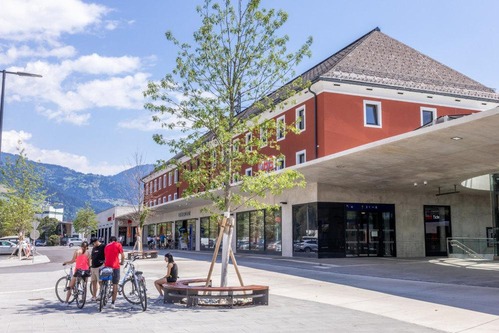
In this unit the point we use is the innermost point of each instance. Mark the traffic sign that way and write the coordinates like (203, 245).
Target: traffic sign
(35, 224)
(35, 234)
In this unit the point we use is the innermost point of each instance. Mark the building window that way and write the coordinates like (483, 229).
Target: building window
(300, 118)
(169, 178)
(155, 185)
(428, 115)
(249, 136)
(175, 176)
(249, 172)
(301, 157)
(164, 199)
(259, 230)
(263, 136)
(235, 145)
(169, 197)
(372, 114)
(235, 178)
(159, 183)
(281, 128)
(280, 163)
(164, 181)
(175, 196)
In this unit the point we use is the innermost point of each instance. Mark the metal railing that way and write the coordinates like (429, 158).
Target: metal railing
(475, 248)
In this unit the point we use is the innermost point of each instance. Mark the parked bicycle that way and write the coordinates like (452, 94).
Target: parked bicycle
(106, 288)
(79, 291)
(133, 285)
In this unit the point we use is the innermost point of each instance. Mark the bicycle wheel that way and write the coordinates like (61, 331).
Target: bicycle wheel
(80, 292)
(142, 292)
(61, 288)
(130, 291)
(103, 295)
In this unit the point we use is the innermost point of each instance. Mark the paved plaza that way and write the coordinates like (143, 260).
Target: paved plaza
(306, 295)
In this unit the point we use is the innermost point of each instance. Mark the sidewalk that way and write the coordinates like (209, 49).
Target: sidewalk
(13, 261)
(313, 296)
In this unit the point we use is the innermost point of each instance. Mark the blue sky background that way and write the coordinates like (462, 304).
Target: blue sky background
(96, 57)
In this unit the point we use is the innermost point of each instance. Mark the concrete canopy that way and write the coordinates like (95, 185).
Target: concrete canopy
(430, 154)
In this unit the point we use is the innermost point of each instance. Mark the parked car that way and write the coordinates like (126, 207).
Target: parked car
(309, 245)
(14, 239)
(74, 241)
(7, 247)
(275, 246)
(40, 242)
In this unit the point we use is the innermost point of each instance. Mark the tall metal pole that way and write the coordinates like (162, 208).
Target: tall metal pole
(1, 108)
(4, 72)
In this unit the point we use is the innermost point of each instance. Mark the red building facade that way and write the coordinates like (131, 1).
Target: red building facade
(373, 89)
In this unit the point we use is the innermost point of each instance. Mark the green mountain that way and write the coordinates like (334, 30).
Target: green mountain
(72, 190)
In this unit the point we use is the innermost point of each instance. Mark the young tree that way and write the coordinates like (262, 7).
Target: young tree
(85, 221)
(135, 195)
(214, 97)
(24, 195)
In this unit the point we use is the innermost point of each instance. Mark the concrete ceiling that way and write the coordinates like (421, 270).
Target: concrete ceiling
(427, 154)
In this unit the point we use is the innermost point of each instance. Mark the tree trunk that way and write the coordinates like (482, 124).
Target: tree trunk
(226, 248)
(138, 239)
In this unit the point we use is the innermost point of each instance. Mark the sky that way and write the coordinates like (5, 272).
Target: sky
(96, 58)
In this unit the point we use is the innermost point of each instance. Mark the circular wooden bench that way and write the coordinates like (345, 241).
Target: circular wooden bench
(143, 254)
(183, 289)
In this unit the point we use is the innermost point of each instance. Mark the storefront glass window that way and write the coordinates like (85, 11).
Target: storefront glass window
(186, 234)
(209, 232)
(259, 231)
(305, 229)
(273, 234)
(242, 242)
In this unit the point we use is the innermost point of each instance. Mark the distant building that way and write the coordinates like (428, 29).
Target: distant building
(380, 181)
(111, 225)
(52, 212)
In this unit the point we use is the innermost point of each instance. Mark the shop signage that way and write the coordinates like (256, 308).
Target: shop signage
(183, 214)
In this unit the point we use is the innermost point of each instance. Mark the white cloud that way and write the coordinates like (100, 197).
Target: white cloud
(144, 123)
(69, 90)
(47, 20)
(11, 142)
(96, 64)
(15, 53)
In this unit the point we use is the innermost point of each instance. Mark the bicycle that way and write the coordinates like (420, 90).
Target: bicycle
(79, 291)
(133, 285)
(106, 288)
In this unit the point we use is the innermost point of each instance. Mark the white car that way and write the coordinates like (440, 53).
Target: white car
(74, 241)
(7, 247)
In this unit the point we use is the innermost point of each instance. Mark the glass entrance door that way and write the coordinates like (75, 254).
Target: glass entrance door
(437, 229)
(370, 230)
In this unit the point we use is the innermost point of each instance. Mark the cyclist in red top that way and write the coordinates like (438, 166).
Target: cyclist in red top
(112, 253)
(82, 267)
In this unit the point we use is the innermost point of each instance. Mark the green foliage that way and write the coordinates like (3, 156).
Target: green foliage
(237, 63)
(86, 221)
(24, 197)
(54, 240)
(48, 227)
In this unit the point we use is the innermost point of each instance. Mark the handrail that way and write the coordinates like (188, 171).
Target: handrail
(463, 247)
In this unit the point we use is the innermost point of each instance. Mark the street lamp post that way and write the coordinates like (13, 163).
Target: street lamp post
(4, 74)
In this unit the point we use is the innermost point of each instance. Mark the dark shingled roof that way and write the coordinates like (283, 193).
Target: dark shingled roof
(378, 59)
